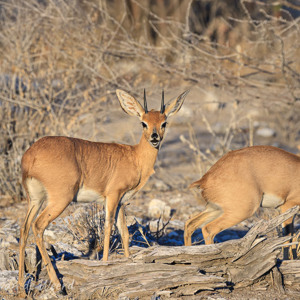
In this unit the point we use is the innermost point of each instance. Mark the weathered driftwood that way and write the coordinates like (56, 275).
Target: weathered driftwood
(290, 270)
(187, 270)
(137, 278)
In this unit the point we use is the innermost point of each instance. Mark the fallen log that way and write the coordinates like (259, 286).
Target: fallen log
(136, 278)
(290, 270)
(185, 271)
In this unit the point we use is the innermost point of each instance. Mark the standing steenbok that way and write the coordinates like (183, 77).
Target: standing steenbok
(239, 183)
(60, 169)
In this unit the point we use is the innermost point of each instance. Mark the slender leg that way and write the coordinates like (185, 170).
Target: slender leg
(51, 212)
(24, 231)
(198, 221)
(111, 205)
(122, 226)
(288, 229)
(221, 223)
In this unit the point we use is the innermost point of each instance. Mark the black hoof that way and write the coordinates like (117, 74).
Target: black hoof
(63, 291)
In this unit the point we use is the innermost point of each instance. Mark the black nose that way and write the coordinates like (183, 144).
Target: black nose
(154, 135)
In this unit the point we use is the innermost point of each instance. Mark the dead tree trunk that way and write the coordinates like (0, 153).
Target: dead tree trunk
(183, 271)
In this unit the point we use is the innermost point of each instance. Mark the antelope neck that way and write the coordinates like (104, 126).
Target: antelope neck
(146, 153)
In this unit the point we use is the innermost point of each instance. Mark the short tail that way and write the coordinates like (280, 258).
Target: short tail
(196, 184)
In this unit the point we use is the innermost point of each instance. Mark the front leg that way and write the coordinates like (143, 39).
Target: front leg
(111, 205)
(123, 229)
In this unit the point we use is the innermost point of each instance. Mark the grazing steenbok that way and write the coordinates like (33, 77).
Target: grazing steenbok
(56, 170)
(242, 181)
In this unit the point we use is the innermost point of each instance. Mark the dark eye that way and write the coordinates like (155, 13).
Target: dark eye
(163, 125)
(144, 125)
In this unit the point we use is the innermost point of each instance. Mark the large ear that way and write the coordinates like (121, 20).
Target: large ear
(173, 106)
(129, 104)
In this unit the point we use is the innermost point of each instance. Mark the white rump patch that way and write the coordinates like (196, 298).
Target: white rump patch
(86, 195)
(36, 190)
(271, 201)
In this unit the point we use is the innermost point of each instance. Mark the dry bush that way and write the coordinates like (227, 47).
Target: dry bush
(87, 227)
(62, 60)
(47, 87)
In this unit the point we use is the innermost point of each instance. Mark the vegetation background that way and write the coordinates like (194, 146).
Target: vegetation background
(62, 60)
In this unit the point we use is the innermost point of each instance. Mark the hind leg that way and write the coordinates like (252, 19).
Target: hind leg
(24, 231)
(210, 213)
(51, 212)
(36, 196)
(224, 221)
(236, 207)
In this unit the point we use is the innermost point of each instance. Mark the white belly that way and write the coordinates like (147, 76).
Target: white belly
(86, 195)
(271, 201)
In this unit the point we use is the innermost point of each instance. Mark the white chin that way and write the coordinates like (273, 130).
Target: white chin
(155, 144)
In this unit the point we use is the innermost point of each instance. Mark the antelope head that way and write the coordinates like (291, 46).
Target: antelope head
(153, 122)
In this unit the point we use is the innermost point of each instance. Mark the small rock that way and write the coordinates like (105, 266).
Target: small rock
(161, 186)
(158, 208)
(211, 102)
(12, 239)
(156, 225)
(266, 132)
(176, 200)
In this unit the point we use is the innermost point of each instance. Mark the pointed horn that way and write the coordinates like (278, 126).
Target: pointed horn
(145, 102)
(162, 110)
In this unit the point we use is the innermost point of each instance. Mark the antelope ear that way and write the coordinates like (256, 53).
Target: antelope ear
(129, 104)
(174, 106)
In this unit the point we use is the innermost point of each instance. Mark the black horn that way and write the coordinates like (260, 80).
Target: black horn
(145, 102)
(162, 110)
